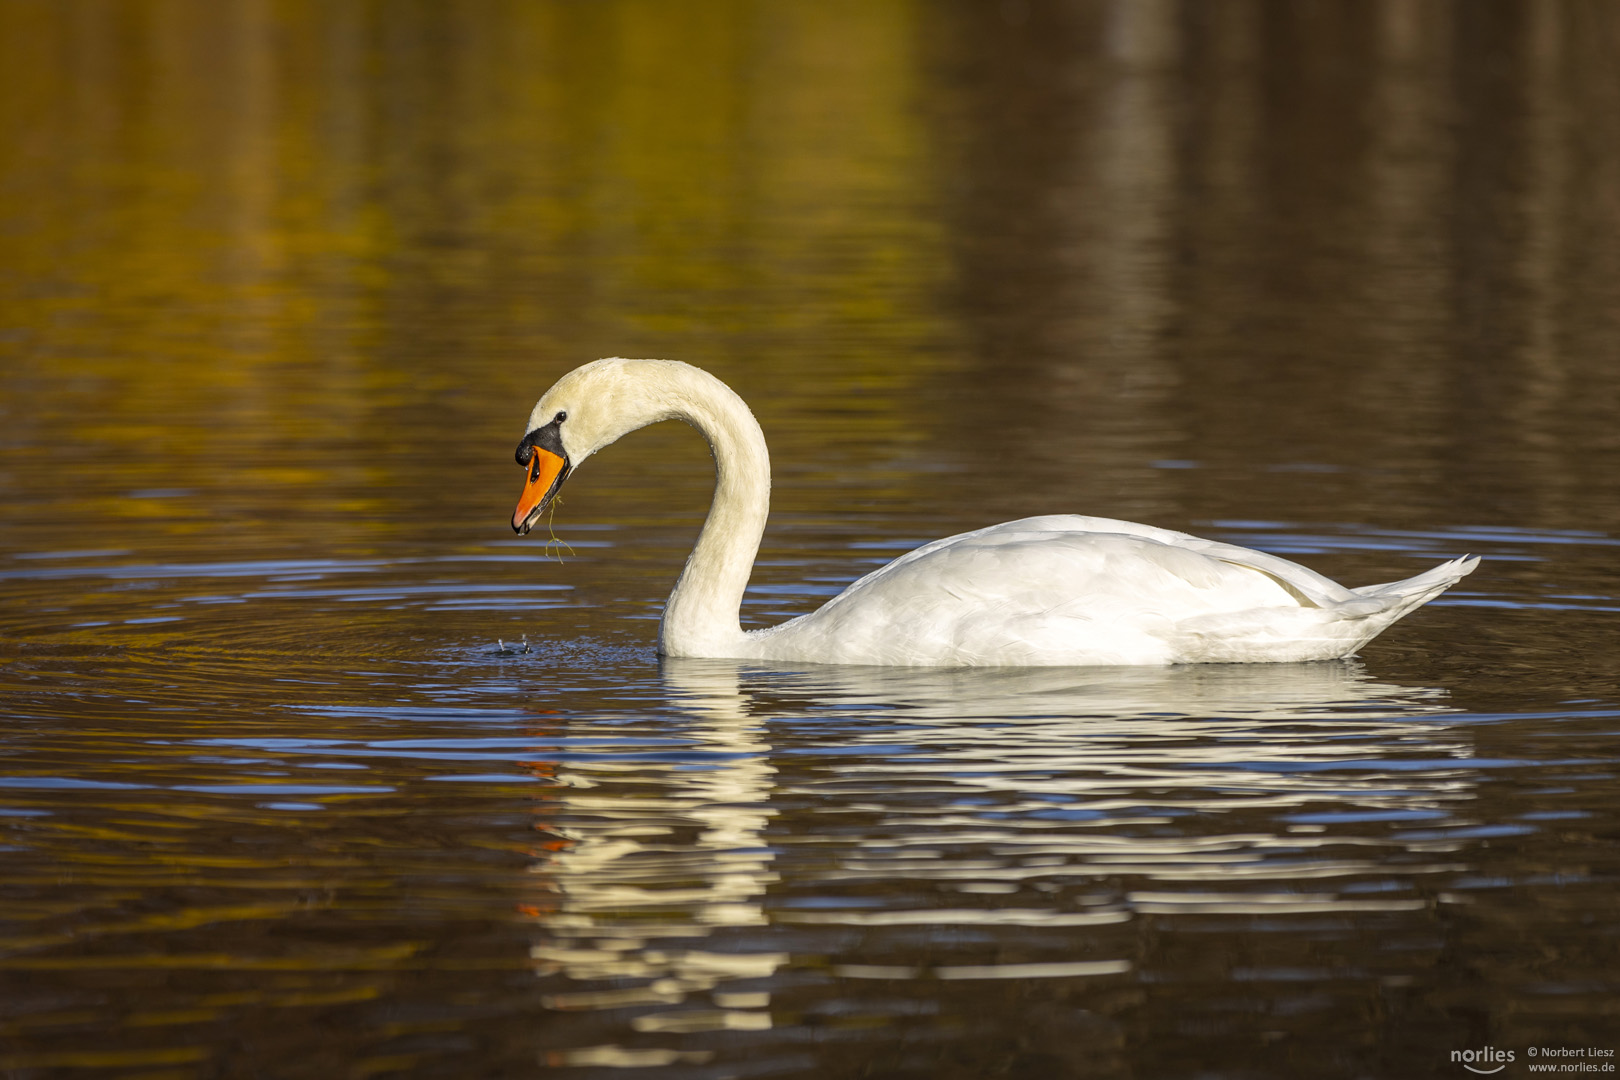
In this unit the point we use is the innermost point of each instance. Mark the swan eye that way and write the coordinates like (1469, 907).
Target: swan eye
(545, 438)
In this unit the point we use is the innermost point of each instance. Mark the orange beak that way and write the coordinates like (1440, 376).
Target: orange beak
(546, 474)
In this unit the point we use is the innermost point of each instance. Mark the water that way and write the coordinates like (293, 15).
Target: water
(309, 768)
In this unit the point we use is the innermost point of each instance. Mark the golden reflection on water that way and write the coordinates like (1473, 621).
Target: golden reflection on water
(277, 253)
(303, 266)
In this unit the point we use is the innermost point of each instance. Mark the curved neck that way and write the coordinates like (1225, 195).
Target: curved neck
(702, 616)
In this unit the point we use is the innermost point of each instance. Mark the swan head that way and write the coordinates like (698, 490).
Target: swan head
(584, 411)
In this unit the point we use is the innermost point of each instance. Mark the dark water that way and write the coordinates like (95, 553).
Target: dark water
(282, 794)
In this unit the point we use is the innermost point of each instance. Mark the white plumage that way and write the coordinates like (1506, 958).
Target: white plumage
(1053, 590)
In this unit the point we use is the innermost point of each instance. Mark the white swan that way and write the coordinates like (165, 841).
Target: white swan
(1041, 591)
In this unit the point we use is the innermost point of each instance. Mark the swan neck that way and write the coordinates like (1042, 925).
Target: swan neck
(702, 617)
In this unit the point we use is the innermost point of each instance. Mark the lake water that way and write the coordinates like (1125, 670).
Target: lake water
(309, 768)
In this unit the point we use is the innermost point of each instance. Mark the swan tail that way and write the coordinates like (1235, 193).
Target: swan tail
(1415, 591)
(1315, 631)
(1395, 599)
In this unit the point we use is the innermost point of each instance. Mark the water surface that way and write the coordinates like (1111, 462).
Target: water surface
(308, 767)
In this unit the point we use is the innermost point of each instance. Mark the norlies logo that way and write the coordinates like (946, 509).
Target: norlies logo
(1484, 1061)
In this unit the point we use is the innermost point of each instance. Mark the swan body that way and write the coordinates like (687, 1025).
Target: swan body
(1055, 590)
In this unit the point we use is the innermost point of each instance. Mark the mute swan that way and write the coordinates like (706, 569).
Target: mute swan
(1050, 590)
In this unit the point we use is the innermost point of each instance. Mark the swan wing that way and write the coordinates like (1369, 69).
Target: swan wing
(1066, 589)
(1056, 589)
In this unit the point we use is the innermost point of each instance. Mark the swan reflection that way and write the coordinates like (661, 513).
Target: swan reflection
(1048, 807)
(1206, 738)
(653, 853)
(1193, 693)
